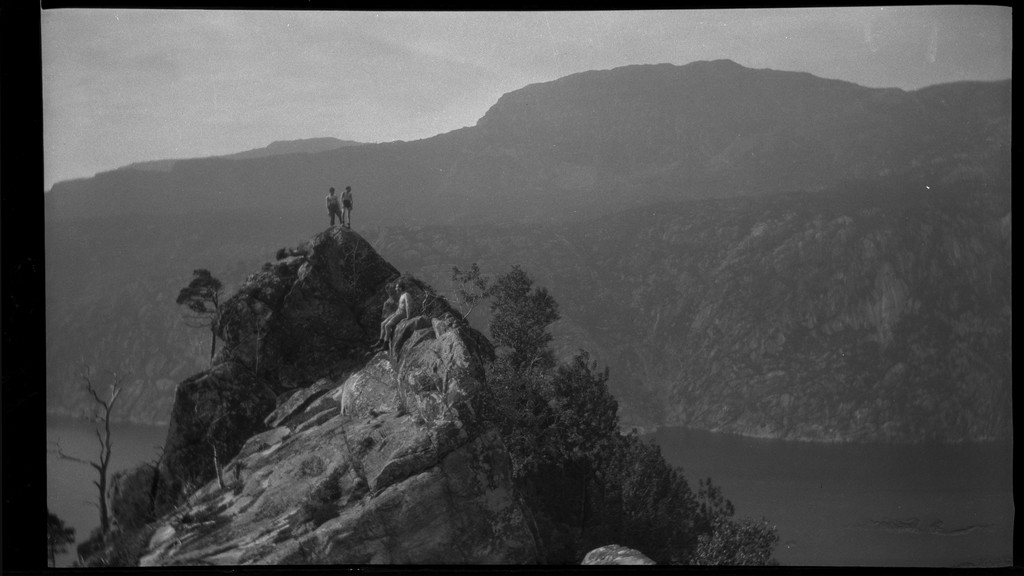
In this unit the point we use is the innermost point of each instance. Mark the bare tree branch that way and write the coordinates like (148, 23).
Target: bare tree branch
(92, 391)
(56, 449)
(96, 431)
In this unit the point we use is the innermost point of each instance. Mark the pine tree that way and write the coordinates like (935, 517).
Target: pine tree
(202, 299)
(521, 315)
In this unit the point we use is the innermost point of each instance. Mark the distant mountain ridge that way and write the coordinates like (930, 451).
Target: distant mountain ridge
(303, 146)
(275, 148)
(595, 142)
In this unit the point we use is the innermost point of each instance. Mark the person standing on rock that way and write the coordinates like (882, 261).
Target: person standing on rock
(346, 207)
(403, 312)
(332, 207)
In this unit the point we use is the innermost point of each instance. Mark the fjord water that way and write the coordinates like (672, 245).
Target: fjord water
(70, 493)
(834, 504)
(862, 504)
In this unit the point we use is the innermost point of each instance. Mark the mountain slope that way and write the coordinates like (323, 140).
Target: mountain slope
(879, 315)
(598, 141)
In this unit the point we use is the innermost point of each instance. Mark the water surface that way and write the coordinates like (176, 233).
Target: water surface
(70, 492)
(834, 504)
(862, 504)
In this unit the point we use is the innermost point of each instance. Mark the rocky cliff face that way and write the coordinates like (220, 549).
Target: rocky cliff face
(327, 451)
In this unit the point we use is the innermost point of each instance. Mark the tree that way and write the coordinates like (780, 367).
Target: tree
(726, 541)
(135, 495)
(58, 537)
(520, 320)
(472, 288)
(586, 414)
(101, 416)
(563, 416)
(737, 543)
(514, 400)
(202, 299)
(587, 483)
(712, 505)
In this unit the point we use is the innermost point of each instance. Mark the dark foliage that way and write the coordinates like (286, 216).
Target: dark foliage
(586, 483)
(737, 543)
(92, 545)
(58, 537)
(521, 315)
(202, 299)
(134, 502)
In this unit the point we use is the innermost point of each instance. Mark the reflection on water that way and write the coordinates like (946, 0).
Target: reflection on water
(866, 504)
(70, 493)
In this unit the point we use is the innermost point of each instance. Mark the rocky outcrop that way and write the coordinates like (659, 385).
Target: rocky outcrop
(300, 445)
(370, 485)
(292, 323)
(616, 555)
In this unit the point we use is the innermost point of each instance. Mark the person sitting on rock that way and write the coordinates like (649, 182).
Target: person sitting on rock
(390, 307)
(403, 312)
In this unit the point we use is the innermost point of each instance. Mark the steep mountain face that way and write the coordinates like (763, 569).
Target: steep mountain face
(876, 315)
(595, 142)
(308, 447)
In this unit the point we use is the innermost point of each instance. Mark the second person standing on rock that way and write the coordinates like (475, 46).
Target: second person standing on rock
(346, 207)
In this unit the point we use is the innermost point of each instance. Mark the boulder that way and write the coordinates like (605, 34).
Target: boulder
(614, 554)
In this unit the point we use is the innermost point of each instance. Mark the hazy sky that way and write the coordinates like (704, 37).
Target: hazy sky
(122, 86)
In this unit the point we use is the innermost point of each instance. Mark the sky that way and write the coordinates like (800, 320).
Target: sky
(124, 86)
